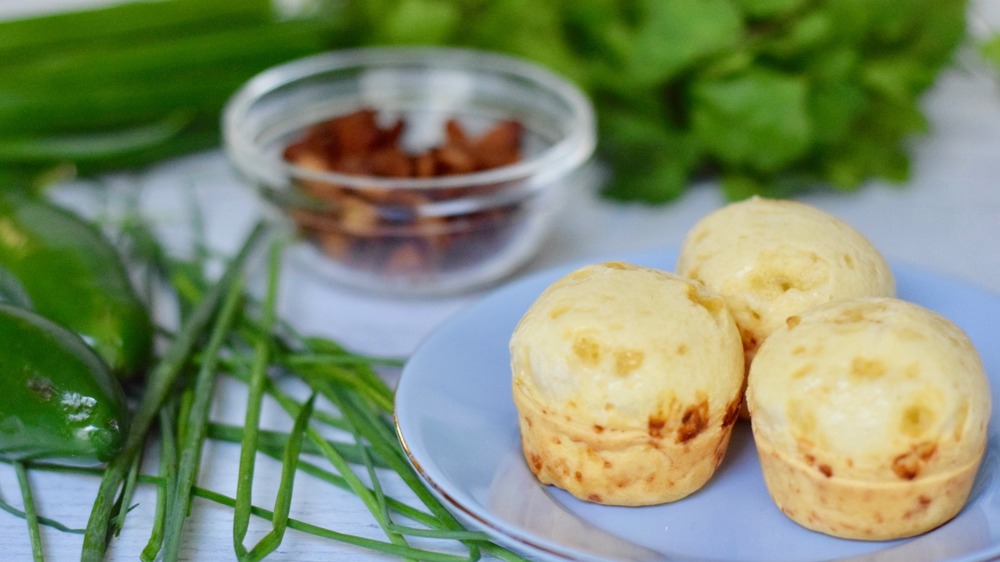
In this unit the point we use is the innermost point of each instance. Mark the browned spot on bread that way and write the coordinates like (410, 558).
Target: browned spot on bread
(598, 428)
(536, 462)
(909, 465)
(732, 412)
(596, 498)
(655, 426)
(693, 422)
(923, 502)
(825, 469)
(792, 321)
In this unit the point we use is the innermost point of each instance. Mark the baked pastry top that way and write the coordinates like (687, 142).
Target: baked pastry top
(870, 416)
(627, 381)
(771, 259)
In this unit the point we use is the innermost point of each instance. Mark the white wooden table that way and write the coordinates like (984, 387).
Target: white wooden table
(946, 219)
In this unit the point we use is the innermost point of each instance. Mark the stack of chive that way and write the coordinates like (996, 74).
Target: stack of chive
(128, 84)
(342, 434)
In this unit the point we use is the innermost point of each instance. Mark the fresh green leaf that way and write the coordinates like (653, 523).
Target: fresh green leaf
(676, 35)
(799, 38)
(771, 110)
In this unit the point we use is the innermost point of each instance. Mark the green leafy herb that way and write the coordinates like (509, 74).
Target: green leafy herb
(771, 97)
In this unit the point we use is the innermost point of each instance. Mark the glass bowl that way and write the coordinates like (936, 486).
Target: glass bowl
(430, 228)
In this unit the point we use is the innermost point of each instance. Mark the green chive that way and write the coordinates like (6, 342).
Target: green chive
(190, 449)
(30, 515)
(166, 493)
(378, 546)
(282, 504)
(158, 384)
(251, 432)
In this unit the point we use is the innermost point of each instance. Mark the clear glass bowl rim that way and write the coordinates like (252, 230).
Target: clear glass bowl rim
(565, 155)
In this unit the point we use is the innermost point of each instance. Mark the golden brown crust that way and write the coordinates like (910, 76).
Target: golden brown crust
(622, 467)
(817, 499)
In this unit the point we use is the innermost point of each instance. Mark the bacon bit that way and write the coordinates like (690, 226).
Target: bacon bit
(356, 144)
(498, 147)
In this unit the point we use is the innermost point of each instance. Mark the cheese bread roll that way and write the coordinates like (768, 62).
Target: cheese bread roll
(870, 418)
(771, 259)
(627, 382)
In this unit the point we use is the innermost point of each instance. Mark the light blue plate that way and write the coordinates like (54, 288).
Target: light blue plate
(456, 418)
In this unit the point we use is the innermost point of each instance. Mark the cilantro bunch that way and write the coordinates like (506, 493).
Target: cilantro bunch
(769, 96)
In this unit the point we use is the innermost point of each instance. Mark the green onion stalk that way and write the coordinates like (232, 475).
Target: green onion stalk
(126, 85)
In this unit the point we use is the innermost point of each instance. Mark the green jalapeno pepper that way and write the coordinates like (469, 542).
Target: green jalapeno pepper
(63, 268)
(58, 399)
